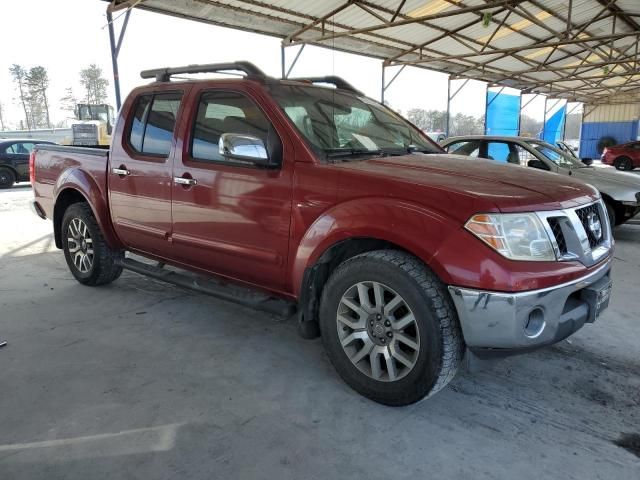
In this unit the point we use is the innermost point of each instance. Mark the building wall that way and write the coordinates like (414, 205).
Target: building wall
(619, 121)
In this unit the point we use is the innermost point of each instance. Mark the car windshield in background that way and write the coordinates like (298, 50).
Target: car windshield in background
(340, 124)
(557, 156)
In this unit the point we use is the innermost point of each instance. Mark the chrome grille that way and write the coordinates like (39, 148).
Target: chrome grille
(571, 237)
(556, 228)
(583, 215)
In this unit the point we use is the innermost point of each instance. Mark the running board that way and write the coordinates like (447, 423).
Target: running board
(199, 283)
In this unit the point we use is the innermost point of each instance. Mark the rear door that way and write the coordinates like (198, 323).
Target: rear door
(140, 171)
(234, 220)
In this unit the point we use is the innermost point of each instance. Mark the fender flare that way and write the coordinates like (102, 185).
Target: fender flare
(386, 219)
(85, 184)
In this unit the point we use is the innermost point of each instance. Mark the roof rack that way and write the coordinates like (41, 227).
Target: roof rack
(339, 82)
(164, 74)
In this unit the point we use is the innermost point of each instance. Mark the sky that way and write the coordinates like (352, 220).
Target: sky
(67, 36)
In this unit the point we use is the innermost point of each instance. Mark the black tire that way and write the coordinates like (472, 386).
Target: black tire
(611, 212)
(623, 163)
(104, 267)
(440, 339)
(7, 178)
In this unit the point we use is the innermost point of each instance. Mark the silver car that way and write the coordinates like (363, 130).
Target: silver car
(619, 190)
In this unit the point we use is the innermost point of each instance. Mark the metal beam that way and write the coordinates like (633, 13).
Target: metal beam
(405, 21)
(602, 38)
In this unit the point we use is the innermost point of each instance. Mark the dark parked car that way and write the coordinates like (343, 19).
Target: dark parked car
(14, 160)
(623, 157)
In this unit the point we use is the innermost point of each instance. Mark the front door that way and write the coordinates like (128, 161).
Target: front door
(140, 173)
(231, 218)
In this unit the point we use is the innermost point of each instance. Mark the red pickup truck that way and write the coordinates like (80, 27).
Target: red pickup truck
(287, 194)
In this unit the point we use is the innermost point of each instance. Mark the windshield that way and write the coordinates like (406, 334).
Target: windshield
(340, 123)
(557, 156)
(93, 112)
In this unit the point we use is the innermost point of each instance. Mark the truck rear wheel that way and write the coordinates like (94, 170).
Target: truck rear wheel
(88, 256)
(390, 328)
(7, 178)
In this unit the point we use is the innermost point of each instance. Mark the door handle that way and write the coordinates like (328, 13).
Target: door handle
(120, 171)
(184, 181)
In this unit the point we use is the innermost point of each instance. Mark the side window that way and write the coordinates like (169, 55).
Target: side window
(153, 123)
(525, 155)
(160, 124)
(470, 149)
(24, 147)
(503, 152)
(137, 124)
(10, 149)
(225, 112)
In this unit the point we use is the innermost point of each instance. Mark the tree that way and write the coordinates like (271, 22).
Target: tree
(428, 120)
(69, 101)
(461, 124)
(1, 118)
(529, 126)
(19, 74)
(94, 84)
(37, 81)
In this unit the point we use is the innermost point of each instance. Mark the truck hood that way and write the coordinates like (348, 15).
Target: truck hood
(618, 185)
(453, 182)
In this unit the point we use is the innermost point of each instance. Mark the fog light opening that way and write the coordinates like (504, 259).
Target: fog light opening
(535, 325)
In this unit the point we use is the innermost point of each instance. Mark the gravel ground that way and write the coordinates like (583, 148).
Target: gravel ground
(143, 380)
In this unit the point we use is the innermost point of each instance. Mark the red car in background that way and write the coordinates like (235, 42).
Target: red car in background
(623, 157)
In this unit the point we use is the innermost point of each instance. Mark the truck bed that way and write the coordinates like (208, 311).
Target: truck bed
(56, 164)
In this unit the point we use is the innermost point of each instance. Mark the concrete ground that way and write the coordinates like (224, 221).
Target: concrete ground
(141, 380)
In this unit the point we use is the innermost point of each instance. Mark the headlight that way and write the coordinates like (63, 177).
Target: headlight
(517, 236)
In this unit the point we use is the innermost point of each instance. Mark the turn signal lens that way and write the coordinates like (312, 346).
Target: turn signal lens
(517, 236)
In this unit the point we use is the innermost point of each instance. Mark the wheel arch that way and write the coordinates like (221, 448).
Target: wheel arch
(77, 186)
(339, 235)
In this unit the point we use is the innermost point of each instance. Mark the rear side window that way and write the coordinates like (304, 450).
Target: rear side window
(470, 149)
(225, 112)
(503, 152)
(153, 123)
(137, 125)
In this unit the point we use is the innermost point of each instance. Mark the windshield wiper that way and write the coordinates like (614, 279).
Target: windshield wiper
(350, 152)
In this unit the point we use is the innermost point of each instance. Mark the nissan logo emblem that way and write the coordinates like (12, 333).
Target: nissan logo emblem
(594, 225)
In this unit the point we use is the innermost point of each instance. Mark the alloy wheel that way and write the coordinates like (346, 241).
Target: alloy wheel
(378, 331)
(80, 245)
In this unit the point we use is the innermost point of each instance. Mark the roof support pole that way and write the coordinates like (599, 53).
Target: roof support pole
(446, 129)
(115, 50)
(295, 59)
(387, 85)
(544, 119)
(282, 61)
(382, 89)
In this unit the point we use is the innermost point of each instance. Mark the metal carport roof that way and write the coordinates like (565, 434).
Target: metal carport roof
(581, 50)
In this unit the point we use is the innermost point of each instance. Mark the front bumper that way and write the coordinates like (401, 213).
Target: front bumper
(500, 324)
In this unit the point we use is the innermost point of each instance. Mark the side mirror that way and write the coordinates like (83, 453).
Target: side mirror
(243, 147)
(539, 164)
(587, 161)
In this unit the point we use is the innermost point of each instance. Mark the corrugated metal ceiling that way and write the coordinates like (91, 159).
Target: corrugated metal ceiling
(583, 50)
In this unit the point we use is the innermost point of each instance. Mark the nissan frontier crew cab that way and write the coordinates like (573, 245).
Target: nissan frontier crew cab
(299, 195)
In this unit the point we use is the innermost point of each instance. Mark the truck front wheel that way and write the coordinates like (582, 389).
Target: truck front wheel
(390, 328)
(88, 256)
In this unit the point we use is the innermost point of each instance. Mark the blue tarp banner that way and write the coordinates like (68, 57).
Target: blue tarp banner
(503, 114)
(553, 127)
